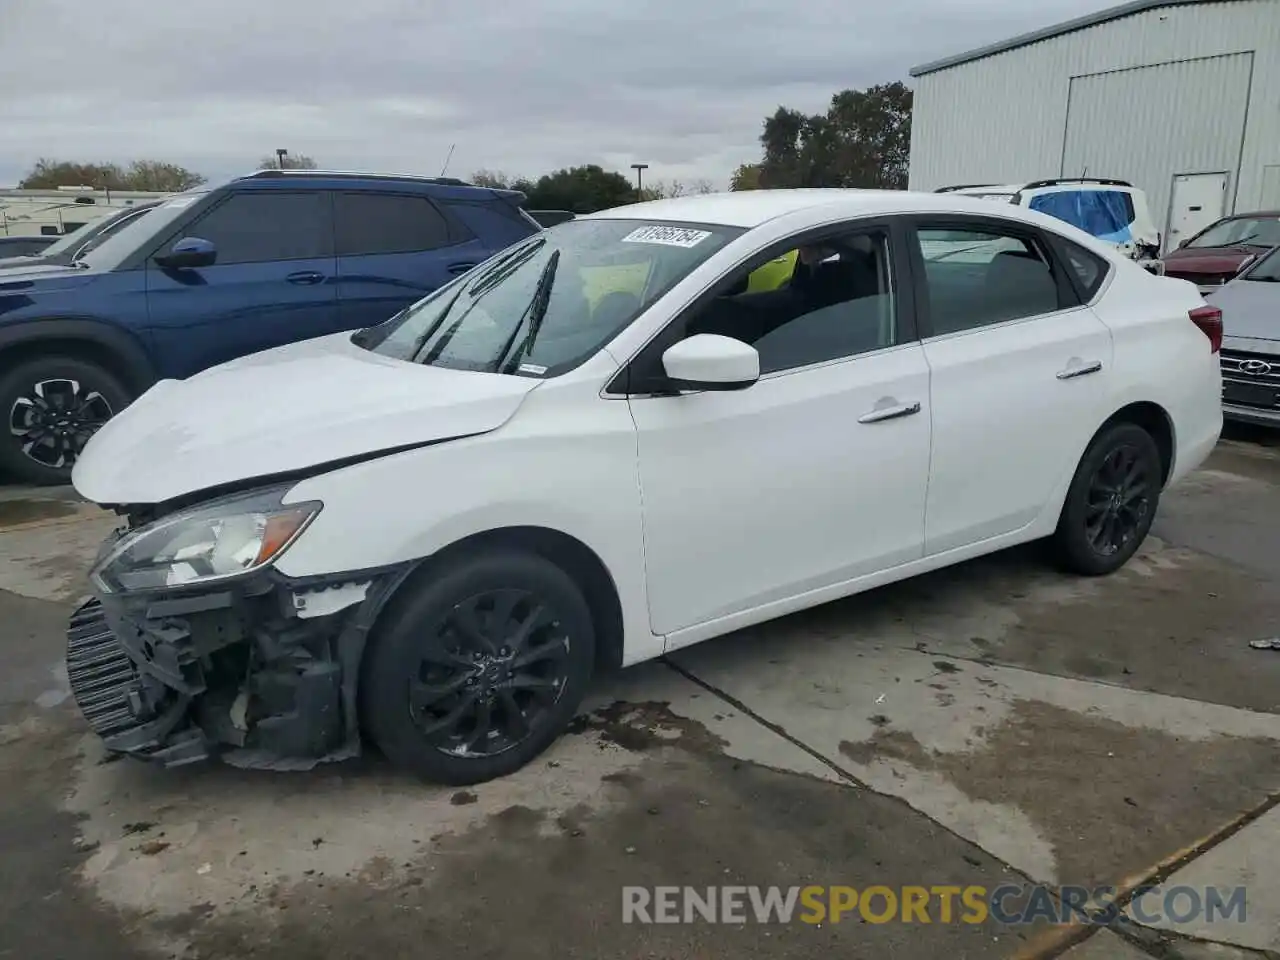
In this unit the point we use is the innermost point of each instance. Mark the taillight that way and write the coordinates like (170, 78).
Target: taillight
(1209, 320)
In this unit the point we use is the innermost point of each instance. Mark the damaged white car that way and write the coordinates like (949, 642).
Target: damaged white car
(601, 446)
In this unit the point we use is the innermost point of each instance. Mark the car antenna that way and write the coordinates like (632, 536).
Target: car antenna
(447, 159)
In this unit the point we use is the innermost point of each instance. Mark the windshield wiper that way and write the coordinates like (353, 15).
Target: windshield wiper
(504, 268)
(535, 312)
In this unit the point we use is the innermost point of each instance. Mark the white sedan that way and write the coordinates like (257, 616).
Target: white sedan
(599, 447)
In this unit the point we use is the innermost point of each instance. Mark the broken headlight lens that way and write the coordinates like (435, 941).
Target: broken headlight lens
(225, 539)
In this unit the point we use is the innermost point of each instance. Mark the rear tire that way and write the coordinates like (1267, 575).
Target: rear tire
(479, 668)
(51, 406)
(1111, 502)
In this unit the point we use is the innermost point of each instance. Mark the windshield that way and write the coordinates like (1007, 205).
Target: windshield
(1266, 269)
(545, 305)
(74, 240)
(1255, 232)
(123, 242)
(109, 227)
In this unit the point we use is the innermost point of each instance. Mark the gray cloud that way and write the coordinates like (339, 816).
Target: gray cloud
(390, 84)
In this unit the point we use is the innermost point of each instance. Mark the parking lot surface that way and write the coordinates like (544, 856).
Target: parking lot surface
(994, 723)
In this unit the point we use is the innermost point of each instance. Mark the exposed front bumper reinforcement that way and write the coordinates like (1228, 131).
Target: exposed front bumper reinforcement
(260, 674)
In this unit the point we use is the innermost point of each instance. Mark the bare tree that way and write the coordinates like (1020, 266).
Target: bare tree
(150, 175)
(298, 161)
(494, 179)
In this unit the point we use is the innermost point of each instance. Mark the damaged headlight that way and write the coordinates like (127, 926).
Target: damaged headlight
(223, 539)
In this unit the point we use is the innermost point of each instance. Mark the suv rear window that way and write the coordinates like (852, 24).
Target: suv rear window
(374, 223)
(1105, 214)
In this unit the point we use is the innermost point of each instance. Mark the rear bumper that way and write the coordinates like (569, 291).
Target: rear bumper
(261, 673)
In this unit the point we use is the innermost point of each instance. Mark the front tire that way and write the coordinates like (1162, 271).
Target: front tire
(1111, 502)
(478, 669)
(52, 406)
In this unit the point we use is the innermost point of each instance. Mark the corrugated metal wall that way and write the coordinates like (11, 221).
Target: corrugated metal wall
(1005, 118)
(1106, 133)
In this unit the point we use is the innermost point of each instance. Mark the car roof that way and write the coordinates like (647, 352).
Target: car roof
(751, 208)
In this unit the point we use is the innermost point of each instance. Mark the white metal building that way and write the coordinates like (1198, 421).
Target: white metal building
(1179, 97)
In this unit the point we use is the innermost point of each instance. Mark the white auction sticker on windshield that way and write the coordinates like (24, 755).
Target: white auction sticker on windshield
(179, 202)
(667, 236)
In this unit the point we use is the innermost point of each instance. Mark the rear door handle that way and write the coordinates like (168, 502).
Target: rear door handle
(890, 413)
(305, 277)
(1082, 370)
(458, 269)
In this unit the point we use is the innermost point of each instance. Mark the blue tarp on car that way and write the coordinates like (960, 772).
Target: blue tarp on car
(1105, 214)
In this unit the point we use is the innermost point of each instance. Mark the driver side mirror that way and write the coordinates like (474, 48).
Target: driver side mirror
(188, 254)
(708, 361)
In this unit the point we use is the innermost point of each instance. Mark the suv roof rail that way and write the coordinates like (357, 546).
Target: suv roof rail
(1057, 181)
(963, 186)
(356, 175)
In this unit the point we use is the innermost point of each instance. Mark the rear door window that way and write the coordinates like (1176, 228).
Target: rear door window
(978, 276)
(378, 223)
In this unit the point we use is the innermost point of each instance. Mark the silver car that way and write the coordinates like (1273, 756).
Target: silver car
(1250, 307)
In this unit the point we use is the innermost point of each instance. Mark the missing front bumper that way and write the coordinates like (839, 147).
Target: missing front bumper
(262, 675)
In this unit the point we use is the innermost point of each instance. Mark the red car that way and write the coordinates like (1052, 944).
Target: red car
(1220, 251)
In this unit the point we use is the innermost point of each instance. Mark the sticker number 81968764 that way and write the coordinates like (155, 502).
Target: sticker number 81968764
(667, 236)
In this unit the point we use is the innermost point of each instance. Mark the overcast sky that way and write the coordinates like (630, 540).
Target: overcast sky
(390, 84)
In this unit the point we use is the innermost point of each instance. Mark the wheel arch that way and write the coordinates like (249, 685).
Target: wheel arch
(1154, 419)
(565, 551)
(111, 347)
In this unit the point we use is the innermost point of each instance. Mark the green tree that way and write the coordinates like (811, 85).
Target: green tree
(862, 140)
(153, 175)
(299, 161)
(746, 177)
(584, 189)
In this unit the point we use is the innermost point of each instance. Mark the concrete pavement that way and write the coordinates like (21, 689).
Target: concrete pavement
(992, 724)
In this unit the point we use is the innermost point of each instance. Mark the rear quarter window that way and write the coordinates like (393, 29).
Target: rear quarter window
(1086, 270)
(496, 221)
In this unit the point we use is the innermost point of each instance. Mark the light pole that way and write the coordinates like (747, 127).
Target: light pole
(281, 153)
(639, 168)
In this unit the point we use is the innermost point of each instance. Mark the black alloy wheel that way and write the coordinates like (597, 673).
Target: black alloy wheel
(54, 419)
(1119, 499)
(490, 670)
(1111, 502)
(53, 406)
(476, 665)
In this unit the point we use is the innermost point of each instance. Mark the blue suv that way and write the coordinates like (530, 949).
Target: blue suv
(218, 272)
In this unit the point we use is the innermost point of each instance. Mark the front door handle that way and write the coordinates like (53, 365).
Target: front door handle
(306, 277)
(458, 269)
(1082, 370)
(882, 414)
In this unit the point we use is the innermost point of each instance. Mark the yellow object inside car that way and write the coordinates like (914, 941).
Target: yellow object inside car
(599, 282)
(773, 274)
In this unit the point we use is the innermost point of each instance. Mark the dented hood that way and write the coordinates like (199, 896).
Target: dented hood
(287, 409)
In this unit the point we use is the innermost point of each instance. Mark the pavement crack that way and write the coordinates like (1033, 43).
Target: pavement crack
(848, 776)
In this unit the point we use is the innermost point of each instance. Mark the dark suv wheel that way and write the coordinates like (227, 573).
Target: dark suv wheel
(52, 406)
(1112, 501)
(478, 667)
